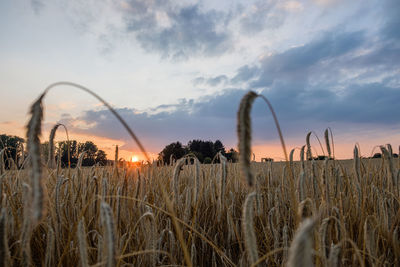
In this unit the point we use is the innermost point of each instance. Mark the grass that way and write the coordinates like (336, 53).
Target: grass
(322, 213)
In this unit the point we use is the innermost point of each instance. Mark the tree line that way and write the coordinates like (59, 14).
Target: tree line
(92, 155)
(14, 151)
(205, 151)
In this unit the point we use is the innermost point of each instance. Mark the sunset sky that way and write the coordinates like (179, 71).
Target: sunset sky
(176, 70)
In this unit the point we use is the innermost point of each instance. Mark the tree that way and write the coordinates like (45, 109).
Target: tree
(91, 149)
(377, 156)
(175, 149)
(205, 149)
(73, 150)
(232, 155)
(101, 157)
(12, 145)
(218, 146)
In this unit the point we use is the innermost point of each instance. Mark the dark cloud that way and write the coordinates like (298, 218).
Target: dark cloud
(391, 28)
(297, 63)
(299, 110)
(178, 32)
(245, 73)
(338, 79)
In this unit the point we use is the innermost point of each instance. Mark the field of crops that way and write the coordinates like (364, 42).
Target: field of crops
(154, 216)
(292, 213)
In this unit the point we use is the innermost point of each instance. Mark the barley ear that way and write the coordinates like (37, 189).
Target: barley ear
(250, 239)
(244, 135)
(33, 133)
(300, 252)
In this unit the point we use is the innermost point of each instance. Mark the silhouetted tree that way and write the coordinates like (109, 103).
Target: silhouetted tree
(201, 149)
(91, 149)
(101, 157)
(12, 145)
(232, 155)
(377, 156)
(176, 149)
(218, 146)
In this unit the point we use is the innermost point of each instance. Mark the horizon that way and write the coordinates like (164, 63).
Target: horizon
(176, 72)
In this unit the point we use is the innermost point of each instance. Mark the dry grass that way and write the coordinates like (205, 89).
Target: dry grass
(368, 218)
(322, 213)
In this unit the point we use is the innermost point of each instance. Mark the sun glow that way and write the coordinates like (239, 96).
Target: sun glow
(135, 159)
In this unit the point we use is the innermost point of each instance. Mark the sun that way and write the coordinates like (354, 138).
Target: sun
(135, 159)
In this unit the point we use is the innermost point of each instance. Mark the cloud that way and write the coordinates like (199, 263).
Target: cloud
(343, 79)
(178, 32)
(391, 27)
(213, 81)
(37, 6)
(297, 63)
(262, 15)
(212, 117)
(245, 73)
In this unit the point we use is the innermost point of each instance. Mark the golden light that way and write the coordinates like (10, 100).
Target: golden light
(135, 159)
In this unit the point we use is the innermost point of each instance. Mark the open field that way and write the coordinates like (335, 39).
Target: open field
(304, 213)
(138, 217)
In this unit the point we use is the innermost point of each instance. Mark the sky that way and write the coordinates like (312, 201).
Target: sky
(176, 70)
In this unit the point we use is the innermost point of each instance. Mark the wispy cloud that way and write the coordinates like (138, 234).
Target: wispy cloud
(261, 16)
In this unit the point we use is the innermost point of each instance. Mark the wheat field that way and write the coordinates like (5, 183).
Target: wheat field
(292, 213)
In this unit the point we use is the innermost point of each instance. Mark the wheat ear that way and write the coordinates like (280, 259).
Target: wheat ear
(300, 252)
(2, 165)
(250, 239)
(5, 258)
(33, 133)
(175, 181)
(51, 161)
(50, 247)
(244, 134)
(82, 244)
(328, 146)
(109, 228)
